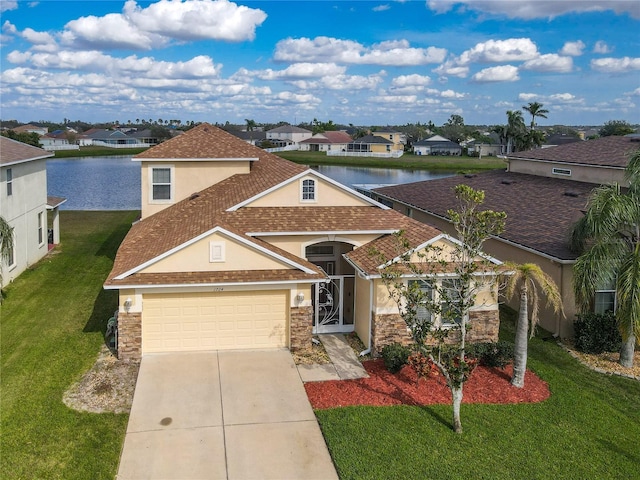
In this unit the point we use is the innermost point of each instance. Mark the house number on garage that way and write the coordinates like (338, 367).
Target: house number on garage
(218, 289)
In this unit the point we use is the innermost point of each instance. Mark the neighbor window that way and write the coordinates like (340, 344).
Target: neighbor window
(308, 190)
(562, 171)
(605, 299)
(9, 182)
(161, 183)
(40, 229)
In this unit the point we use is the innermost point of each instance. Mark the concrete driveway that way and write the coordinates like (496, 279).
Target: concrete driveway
(222, 415)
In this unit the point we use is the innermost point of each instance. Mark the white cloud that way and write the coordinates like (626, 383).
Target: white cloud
(573, 49)
(616, 65)
(159, 23)
(602, 47)
(498, 51)
(381, 8)
(352, 82)
(550, 62)
(6, 5)
(300, 71)
(411, 80)
(528, 97)
(451, 68)
(501, 73)
(538, 8)
(327, 49)
(452, 94)
(9, 28)
(635, 93)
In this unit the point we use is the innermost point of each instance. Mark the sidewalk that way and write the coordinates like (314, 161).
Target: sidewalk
(344, 363)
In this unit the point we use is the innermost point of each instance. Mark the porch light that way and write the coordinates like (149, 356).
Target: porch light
(300, 297)
(127, 305)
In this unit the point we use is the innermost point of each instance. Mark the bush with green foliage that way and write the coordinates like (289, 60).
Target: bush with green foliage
(492, 354)
(395, 356)
(597, 333)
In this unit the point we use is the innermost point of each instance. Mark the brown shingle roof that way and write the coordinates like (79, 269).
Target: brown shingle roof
(610, 151)
(202, 141)
(12, 152)
(180, 223)
(540, 211)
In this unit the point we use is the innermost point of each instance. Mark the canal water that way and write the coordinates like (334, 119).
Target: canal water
(113, 182)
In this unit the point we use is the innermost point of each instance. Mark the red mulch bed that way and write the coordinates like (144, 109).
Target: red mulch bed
(486, 385)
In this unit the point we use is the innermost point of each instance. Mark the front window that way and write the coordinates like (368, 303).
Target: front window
(605, 299)
(9, 182)
(447, 295)
(450, 302)
(40, 229)
(308, 190)
(161, 183)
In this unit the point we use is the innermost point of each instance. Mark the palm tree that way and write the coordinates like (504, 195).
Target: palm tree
(536, 110)
(526, 279)
(6, 245)
(608, 236)
(516, 131)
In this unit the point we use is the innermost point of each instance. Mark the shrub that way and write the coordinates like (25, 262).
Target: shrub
(492, 354)
(596, 333)
(395, 356)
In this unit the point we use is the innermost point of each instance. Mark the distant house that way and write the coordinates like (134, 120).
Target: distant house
(559, 139)
(326, 141)
(394, 136)
(111, 138)
(31, 129)
(436, 145)
(544, 192)
(23, 204)
(373, 144)
(143, 136)
(253, 137)
(286, 135)
(57, 140)
(486, 149)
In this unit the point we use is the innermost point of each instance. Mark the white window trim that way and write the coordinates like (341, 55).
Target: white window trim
(437, 318)
(11, 266)
(41, 231)
(217, 252)
(172, 184)
(315, 190)
(9, 173)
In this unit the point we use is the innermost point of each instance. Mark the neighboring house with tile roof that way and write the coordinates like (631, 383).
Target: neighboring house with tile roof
(326, 141)
(23, 204)
(286, 135)
(543, 192)
(31, 129)
(238, 248)
(373, 144)
(437, 145)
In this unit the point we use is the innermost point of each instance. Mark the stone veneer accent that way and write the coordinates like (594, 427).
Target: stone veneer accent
(391, 328)
(129, 336)
(301, 319)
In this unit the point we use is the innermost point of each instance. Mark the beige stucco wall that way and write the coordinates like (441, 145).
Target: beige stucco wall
(296, 244)
(189, 177)
(20, 210)
(327, 195)
(579, 173)
(363, 310)
(196, 258)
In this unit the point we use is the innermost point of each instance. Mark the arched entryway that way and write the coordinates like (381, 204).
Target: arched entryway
(333, 301)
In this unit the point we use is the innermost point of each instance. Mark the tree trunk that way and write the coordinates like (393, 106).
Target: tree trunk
(627, 351)
(456, 393)
(521, 342)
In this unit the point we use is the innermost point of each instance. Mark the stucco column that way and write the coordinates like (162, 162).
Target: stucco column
(56, 226)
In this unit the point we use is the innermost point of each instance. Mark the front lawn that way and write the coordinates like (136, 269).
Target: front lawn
(589, 428)
(52, 324)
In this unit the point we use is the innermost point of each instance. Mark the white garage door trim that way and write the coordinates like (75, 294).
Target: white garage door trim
(178, 322)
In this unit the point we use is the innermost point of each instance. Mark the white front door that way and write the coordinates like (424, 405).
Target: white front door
(333, 305)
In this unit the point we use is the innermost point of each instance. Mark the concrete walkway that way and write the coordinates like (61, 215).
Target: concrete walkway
(344, 362)
(223, 415)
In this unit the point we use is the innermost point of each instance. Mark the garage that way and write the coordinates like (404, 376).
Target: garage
(214, 321)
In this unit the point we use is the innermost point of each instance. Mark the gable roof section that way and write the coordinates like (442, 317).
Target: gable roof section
(288, 129)
(202, 142)
(610, 151)
(371, 139)
(329, 137)
(13, 152)
(540, 210)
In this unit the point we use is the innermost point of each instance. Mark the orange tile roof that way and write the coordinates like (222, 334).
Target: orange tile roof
(174, 226)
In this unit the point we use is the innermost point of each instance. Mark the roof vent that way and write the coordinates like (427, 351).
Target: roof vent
(194, 196)
(571, 193)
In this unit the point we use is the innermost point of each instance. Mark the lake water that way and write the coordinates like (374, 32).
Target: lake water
(113, 183)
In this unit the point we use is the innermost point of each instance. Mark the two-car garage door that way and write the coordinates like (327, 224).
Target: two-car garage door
(214, 321)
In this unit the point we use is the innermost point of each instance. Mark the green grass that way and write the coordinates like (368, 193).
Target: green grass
(97, 151)
(589, 428)
(52, 324)
(407, 161)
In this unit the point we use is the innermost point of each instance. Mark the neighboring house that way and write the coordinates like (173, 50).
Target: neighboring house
(143, 136)
(394, 136)
(109, 138)
(31, 129)
(57, 141)
(543, 192)
(372, 144)
(286, 135)
(253, 137)
(23, 203)
(559, 139)
(436, 145)
(240, 249)
(326, 141)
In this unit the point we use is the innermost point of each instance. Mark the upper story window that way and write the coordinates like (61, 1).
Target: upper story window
(9, 182)
(40, 228)
(605, 299)
(161, 184)
(308, 193)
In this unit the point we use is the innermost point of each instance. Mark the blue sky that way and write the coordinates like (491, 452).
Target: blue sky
(352, 62)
